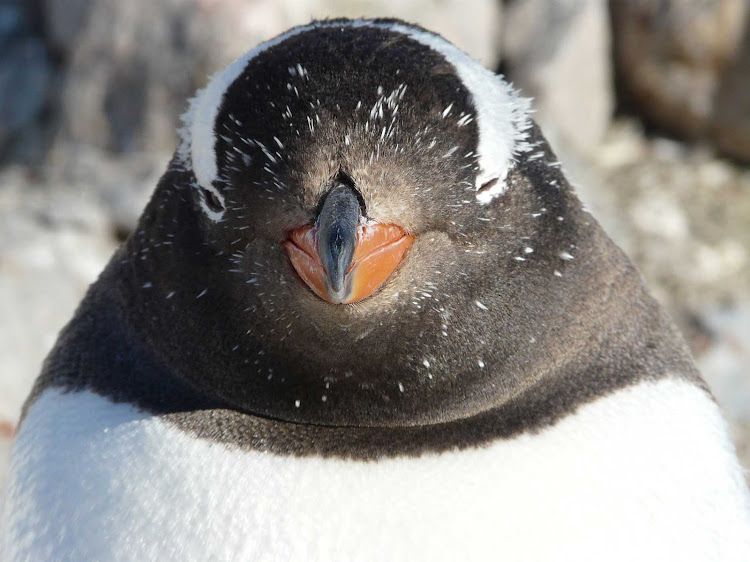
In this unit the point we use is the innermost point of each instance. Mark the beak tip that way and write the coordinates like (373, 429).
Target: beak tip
(336, 297)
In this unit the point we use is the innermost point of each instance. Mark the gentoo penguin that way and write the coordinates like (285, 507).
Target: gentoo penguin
(365, 317)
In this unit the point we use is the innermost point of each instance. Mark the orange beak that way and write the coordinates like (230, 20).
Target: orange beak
(378, 251)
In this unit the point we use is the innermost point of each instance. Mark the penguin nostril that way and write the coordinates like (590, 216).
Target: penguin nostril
(342, 178)
(212, 200)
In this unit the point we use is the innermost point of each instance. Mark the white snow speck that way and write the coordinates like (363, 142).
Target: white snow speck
(426, 363)
(480, 305)
(297, 403)
(566, 256)
(203, 292)
(401, 386)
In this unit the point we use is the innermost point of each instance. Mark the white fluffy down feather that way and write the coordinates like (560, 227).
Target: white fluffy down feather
(647, 473)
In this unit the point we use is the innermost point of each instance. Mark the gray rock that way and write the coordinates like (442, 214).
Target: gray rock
(671, 58)
(64, 20)
(725, 362)
(119, 185)
(558, 52)
(25, 74)
(682, 215)
(730, 126)
(15, 22)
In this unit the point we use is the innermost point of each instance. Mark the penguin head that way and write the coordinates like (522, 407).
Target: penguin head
(361, 226)
(345, 139)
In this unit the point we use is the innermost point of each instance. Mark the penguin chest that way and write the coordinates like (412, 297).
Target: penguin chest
(95, 480)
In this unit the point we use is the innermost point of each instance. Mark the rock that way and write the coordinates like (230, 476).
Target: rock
(730, 127)
(120, 185)
(24, 76)
(129, 79)
(682, 216)
(15, 22)
(724, 363)
(558, 52)
(671, 59)
(64, 20)
(25, 72)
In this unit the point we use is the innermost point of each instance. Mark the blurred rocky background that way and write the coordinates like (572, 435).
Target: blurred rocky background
(646, 101)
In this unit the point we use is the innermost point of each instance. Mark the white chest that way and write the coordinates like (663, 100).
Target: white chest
(646, 473)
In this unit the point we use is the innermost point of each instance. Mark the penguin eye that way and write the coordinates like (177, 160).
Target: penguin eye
(212, 200)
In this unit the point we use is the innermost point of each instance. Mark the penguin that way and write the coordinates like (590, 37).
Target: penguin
(364, 316)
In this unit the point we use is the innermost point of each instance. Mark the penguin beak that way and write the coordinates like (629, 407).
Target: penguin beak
(341, 259)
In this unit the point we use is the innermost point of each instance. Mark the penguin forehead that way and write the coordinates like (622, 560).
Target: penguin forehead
(397, 56)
